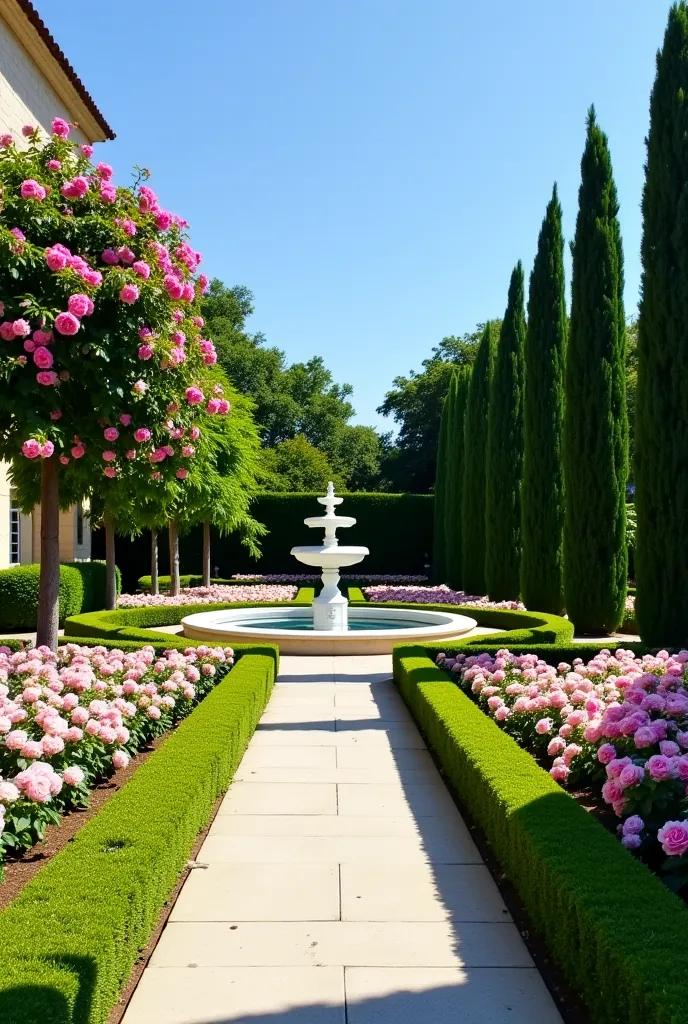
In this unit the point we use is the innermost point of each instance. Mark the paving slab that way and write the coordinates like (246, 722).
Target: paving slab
(396, 891)
(280, 798)
(239, 995)
(387, 772)
(433, 829)
(259, 891)
(222, 848)
(288, 757)
(437, 995)
(419, 800)
(339, 943)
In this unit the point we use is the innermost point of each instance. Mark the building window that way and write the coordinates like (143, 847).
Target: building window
(79, 525)
(15, 536)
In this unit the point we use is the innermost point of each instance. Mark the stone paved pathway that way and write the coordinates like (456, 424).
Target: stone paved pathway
(338, 883)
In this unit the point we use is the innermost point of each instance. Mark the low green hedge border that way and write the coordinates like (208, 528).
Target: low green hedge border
(519, 627)
(93, 576)
(70, 939)
(614, 929)
(144, 582)
(123, 620)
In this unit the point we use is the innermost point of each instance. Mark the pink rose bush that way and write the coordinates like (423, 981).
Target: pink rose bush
(441, 594)
(309, 577)
(618, 724)
(216, 594)
(70, 719)
(89, 269)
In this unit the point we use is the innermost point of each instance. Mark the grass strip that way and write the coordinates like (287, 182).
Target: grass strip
(617, 933)
(71, 938)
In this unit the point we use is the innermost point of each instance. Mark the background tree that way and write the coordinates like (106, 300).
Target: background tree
(99, 338)
(473, 498)
(439, 537)
(595, 423)
(415, 403)
(297, 465)
(504, 455)
(455, 459)
(542, 496)
(290, 400)
(661, 495)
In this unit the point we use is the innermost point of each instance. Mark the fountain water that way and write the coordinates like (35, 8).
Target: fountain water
(327, 628)
(330, 608)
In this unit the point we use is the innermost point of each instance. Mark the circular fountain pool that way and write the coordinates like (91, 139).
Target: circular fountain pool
(370, 630)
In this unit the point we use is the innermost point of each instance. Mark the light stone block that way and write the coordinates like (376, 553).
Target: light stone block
(284, 798)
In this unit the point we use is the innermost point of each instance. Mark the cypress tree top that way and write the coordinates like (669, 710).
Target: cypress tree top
(661, 449)
(542, 497)
(596, 427)
(505, 452)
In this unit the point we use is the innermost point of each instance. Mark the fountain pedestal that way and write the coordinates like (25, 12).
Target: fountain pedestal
(330, 607)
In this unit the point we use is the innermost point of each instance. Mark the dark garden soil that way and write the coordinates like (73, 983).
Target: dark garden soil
(20, 870)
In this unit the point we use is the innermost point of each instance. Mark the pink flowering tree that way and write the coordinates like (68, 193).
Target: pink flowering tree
(99, 332)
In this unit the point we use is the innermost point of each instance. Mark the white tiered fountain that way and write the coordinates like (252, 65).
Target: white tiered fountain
(327, 627)
(330, 608)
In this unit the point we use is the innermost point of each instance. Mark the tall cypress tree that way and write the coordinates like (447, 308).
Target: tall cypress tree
(455, 471)
(542, 494)
(505, 452)
(661, 446)
(439, 550)
(475, 443)
(595, 419)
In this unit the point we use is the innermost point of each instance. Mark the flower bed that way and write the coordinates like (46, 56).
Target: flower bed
(618, 725)
(441, 594)
(70, 939)
(310, 577)
(72, 718)
(211, 595)
(608, 922)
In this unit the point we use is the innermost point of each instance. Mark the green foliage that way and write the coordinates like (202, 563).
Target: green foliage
(297, 465)
(439, 542)
(93, 581)
(474, 481)
(124, 864)
(415, 402)
(542, 492)
(144, 582)
(19, 595)
(631, 528)
(290, 400)
(455, 472)
(595, 422)
(585, 895)
(504, 453)
(661, 553)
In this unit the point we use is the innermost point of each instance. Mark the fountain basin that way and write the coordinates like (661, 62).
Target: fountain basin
(370, 630)
(335, 557)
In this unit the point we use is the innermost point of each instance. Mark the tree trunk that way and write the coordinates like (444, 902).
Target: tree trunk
(206, 554)
(174, 557)
(49, 588)
(110, 573)
(154, 589)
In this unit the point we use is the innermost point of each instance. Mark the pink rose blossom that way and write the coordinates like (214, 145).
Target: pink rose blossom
(105, 171)
(31, 189)
(140, 387)
(142, 269)
(60, 127)
(142, 434)
(129, 293)
(78, 451)
(73, 775)
(125, 419)
(80, 305)
(109, 256)
(21, 328)
(173, 286)
(67, 323)
(48, 378)
(673, 836)
(111, 433)
(31, 448)
(43, 358)
(194, 395)
(109, 456)
(145, 352)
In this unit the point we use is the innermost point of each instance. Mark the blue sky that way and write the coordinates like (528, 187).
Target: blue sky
(371, 169)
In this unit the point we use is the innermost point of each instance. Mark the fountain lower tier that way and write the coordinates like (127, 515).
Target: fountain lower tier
(370, 630)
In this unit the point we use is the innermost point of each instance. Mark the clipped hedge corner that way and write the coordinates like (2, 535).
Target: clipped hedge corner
(70, 939)
(19, 595)
(614, 929)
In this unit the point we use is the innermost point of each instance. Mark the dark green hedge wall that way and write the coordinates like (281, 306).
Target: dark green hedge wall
(19, 595)
(397, 528)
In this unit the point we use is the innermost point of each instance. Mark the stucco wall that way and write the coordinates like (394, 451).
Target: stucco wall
(25, 95)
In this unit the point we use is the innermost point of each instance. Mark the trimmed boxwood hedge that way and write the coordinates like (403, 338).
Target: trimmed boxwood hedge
(614, 929)
(19, 595)
(144, 582)
(71, 938)
(93, 579)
